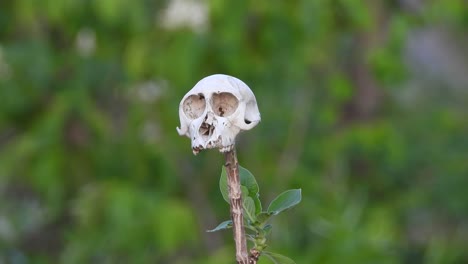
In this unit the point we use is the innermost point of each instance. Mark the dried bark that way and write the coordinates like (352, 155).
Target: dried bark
(235, 200)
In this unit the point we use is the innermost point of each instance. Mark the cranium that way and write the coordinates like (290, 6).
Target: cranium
(216, 109)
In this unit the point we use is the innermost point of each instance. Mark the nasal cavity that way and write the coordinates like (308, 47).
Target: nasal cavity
(194, 106)
(206, 130)
(224, 104)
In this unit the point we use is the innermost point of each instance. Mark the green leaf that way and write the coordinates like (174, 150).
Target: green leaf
(258, 204)
(267, 229)
(263, 217)
(223, 186)
(278, 258)
(248, 181)
(249, 209)
(224, 225)
(250, 237)
(285, 201)
(244, 192)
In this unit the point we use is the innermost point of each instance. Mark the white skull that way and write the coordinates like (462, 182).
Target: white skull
(216, 109)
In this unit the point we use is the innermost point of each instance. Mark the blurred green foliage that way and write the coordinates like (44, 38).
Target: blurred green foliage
(93, 171)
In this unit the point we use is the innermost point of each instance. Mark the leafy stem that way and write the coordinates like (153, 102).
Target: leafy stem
(256, 220)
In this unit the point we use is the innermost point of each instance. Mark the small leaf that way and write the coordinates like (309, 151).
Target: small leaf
(258, 204)
(250, 237)
(267, 229)
(248, 181)
(278, 258)
(285, 201)
(244, 192)
(223, 186)
(263, 217)
(224, 225)
(249, 209)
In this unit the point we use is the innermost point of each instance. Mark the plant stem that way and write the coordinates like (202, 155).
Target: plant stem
(235, 201)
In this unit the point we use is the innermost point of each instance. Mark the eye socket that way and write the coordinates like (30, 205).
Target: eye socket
(194, 106)
(224, 104)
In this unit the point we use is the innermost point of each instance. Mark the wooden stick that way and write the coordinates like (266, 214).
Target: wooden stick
(235, 201)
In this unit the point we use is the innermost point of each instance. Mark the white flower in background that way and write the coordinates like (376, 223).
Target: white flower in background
(191, 14)
(150, 91)
(86, 42)
(151, 132)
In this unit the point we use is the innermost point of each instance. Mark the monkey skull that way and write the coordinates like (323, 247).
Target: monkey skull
(216, 109)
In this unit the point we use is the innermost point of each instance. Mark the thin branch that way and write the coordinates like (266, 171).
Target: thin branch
(235, 200)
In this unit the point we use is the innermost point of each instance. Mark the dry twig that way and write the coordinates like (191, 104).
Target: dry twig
(235, 201)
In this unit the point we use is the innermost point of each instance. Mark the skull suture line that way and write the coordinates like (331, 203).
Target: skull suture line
(216, 109)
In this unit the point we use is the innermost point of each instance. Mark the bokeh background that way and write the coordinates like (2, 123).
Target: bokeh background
(364, 106)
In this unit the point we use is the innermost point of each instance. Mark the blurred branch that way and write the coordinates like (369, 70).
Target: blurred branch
(367, 96)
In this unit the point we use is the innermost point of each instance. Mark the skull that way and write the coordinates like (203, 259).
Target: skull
(216, 109)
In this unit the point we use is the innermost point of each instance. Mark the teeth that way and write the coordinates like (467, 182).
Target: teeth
(196, 150)
(226, 148)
